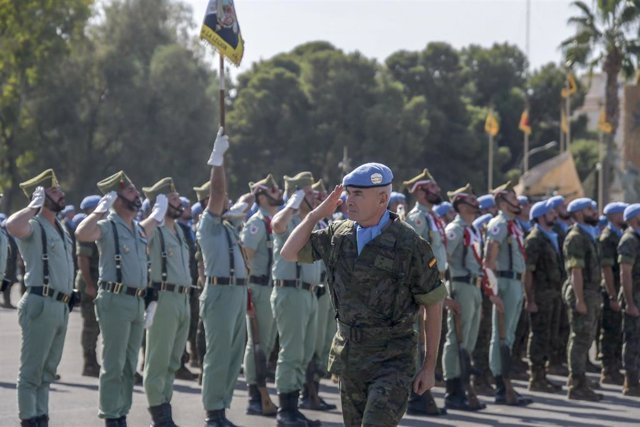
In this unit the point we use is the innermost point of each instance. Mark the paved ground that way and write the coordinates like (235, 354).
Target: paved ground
(74, 398)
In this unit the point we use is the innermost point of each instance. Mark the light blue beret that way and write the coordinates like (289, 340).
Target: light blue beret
(368, 175)
(67, 210)
(196, 209)
(397, 198)
(185, 202)
(555, 202)
(602, 221)
(579, 204)
(482, 220)
(443, 208)
(538, 209)
(487, 201)
(90, 202)
(523, 200)
(614, 208)
(77, 219)
(631, 211)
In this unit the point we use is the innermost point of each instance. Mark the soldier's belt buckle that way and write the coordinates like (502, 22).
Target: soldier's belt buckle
(184, 290)
(117, 257)
(66, 298)
(140, 292)
(45, 257)
(117, 288)
(163, 286)
(298, 283)
(45, 291)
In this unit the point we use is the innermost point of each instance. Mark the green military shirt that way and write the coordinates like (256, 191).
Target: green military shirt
(4, 252)
(544, 262)
(581, 251)
(423, 222)
(629, 253)
(59, 251)
(133, 250)
(510, 256)
(609, 241)
(176, 249)
(384, 285)
(285, 270)
(462, 261)
(213, 237)
(89, 250)
(254, 236)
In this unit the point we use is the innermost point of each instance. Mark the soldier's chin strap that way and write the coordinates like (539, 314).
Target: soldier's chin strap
(52, 204)
(134, 205)
(270, 198)
(516, 207)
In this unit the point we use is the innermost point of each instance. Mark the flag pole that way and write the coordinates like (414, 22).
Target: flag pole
(526, 152)
(568, 107)
(601, 170)
(222, 87)
(490, 177)
(562, 144)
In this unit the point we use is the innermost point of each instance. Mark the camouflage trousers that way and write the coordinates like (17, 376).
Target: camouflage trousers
(631, 347)
(559, 334)
(583, 328)
(481, 351)
(610, 336)
(376, 376)
(90, 327)
(540, 336)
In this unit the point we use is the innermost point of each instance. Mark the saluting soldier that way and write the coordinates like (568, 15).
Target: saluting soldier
(581, 294)
(171, 287)
(611, 326)
(122, 284)
(43, 311)
(257, 243)
(223, 302)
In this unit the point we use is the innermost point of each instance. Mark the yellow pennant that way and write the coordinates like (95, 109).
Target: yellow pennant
(571, 86)
(221, 29)
(603, 124)
(491, 126)
(524, 125)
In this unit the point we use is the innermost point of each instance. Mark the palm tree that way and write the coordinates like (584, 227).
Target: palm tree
(606, 36)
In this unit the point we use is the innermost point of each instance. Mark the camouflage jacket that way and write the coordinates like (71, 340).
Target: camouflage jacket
(629, 253)
(581, 251)
(609, 241)
(544, 262)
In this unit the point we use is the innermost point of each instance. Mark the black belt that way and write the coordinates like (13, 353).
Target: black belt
(170, 287)
(374, 334)
(226, 281)
(259, 280)
(509, 275)
(119, 288)
(295, 284)
(46, 291)
(465, 279)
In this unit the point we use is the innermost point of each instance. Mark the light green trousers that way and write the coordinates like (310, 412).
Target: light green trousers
(260, 296)
(326, 329)
(510, 290)
(166, 340)
(44, 324)
(295, 313)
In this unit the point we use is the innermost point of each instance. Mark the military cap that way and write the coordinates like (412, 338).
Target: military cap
(196, 209)
(539, 209)
(504, 188)
(602, 221)
(266, 183)
(556, 201)
(116, 182)
(423, 178)
(631, 211)
(164, 186)
(46, 179)
(185, 202)
(614, 208)
(67, 210)
(368, 175)
(463, 192)
(90, 202)
(579, 204)
(202, 192)
(397, 198)
(443, 208)
(594, 205)
(523, 200)
(319, 187)
(301, 180)
(482, 220)
(77, 219)
(487, 201)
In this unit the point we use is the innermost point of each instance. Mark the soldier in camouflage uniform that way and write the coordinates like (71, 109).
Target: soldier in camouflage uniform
(629, 258)
(543, 286)
(379, 273)
(581, 293)
(87, 284)
(610, 337)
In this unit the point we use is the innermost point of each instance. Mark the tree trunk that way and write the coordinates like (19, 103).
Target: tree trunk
(612, 67)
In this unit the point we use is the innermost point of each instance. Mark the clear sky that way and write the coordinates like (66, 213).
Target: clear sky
(378, 28)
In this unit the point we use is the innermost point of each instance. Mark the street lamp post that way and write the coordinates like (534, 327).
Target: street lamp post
(545, 147)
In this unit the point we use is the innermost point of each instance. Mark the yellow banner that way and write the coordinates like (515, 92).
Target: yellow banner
(491, 126)
(222, 31)
(571, 88)
(524, 125)
(603, 124)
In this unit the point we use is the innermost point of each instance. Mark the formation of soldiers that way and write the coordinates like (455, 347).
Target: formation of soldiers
(522, 280)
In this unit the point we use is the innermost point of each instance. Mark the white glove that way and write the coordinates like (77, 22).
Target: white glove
(149, 314)
(159, 208)
(37, 199)
(295, 200)
(237, 210)
(106, 202)
(219, 147)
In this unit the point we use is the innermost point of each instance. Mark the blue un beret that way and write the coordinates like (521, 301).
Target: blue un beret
(631, 211)
(443, 208)
(90, 202)
(196, 209)
(538, 209)
(482, 220)
(77, 219)
(614, 208)
(487, 201)
(396, 198)
(184, 202)
(555, 202)
(523, 200)
(579, 204)
(368, 175)
(67, 209)
(602, 221)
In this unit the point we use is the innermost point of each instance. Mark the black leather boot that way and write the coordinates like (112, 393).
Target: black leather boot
(255, 403)
(29, 422)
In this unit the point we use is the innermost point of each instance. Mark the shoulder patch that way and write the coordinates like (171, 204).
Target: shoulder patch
(494, 230)
(253, 229)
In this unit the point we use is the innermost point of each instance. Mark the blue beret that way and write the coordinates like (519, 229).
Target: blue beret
(397, 198)
(555, 202)
(184, 202)
(68, 209)
(368, 175)
(487, 201)
(90, 202)
(594, 205)
(523, 200)
(614, 208)
(443, 208)
(631, 211)
(602, 221)
(482, 220)
(579, 204)
(538, 209)
(77, 219)
(196, 209)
